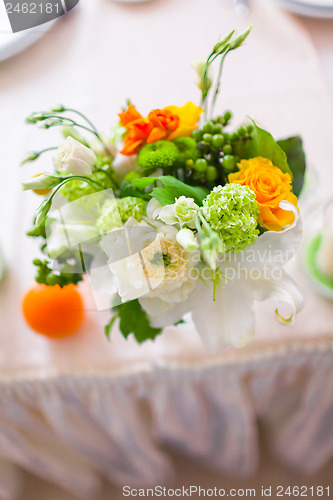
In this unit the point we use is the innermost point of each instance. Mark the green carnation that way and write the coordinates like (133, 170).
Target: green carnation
(187, 150)
(116, 212)
(157, 154)
(232, 211)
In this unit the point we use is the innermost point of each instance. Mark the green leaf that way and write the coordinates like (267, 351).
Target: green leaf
(46, 276)
(143, 182)
(130, 190)
(108, 327)
(262, 144)
(173, 188)
(38, 231)
(133, 319)
(293, 147)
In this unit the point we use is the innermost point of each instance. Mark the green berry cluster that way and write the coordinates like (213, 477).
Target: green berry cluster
(216, 147)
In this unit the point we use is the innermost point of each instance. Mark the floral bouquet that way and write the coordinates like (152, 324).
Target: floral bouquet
(173, 213)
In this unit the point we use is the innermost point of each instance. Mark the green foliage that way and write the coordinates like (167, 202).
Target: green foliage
(293, 147)
(159, 154)
(262, 144)
(133, 319)
(173, 188)
(47, 276)
(38, 231)
(128, 189)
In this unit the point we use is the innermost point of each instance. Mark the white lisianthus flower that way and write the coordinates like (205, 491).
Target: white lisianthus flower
(74, 158)
(185, 237)
(42, 181)
(199, 66)
(181, 212)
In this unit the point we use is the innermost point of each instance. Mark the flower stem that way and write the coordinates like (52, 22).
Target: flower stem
(108, 174)
(71, 110)
(218, 84)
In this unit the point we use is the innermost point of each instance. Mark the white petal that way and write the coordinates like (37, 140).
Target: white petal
(76, 166)
(167, 215)
(185, 237)
(227, 321)
(282, 289)
(274, 248)
(160, 312)
(124, 164)
(153, 209)
(130, 279)
(102, 280)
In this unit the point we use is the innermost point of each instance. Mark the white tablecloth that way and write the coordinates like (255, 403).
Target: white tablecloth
(73, 409)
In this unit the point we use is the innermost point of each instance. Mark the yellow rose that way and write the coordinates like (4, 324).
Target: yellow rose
(188, 119)
(270, 186)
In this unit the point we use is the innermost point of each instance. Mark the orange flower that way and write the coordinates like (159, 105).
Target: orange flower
(130, 115)
(137, 135)
(164, 122)
(167, 124)
(270, 186)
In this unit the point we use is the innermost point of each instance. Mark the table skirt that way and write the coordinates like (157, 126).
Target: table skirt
(74, 429)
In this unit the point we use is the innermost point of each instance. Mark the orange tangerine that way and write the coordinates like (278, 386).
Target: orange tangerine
(53, 311)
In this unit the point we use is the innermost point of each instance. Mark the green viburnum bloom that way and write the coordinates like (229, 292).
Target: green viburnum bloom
(232, 211)
(187, 150)
(116, 212)
(157, 154)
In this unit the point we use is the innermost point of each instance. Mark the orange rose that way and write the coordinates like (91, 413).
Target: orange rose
(137, 135)
(270, 186)
(164, 122)
(167, 123)
(138, 130)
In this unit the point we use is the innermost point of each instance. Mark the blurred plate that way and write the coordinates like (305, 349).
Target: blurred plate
(310, 8)
(13, 43)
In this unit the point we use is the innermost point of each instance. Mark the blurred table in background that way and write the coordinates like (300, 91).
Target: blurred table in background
(79, 408)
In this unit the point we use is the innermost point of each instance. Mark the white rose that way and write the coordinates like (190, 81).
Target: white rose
(182, 212)
(74, 158)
